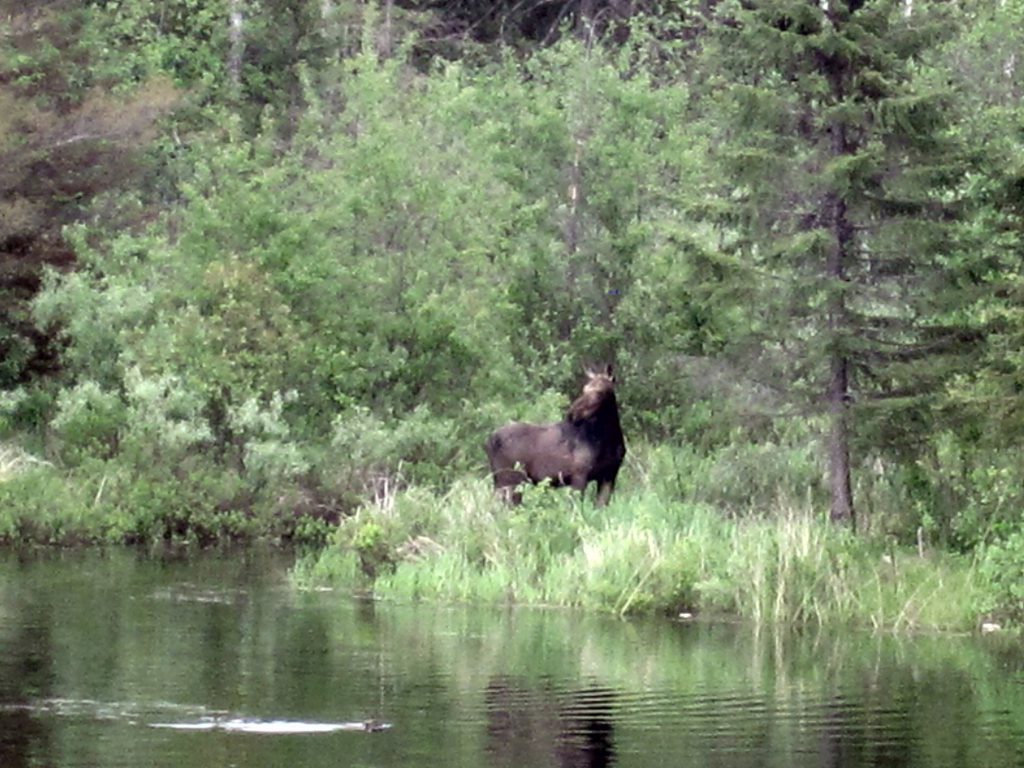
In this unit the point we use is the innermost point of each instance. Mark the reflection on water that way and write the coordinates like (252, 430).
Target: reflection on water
(271, 727)
(114, 660)
(543, 725)
(185, 718)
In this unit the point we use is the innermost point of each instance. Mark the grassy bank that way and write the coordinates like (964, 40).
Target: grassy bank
(646, 552)
(733, 534)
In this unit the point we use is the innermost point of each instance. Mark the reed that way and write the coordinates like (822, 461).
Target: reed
(788, 568)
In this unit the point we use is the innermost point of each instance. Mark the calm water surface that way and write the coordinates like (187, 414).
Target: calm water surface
(117, 660)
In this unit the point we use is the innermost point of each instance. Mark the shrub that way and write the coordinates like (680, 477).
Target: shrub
(1002, 571)
(369, 452)
(89, 421)
(25, 409)
(14, 460)
(270, 454)
(39, 506)
(165, 417)
(739, 479)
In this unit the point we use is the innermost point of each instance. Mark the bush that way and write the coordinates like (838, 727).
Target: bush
(25, 409)
(117, 501)
(1002, 571)
(165, 418)
(14, 460)
(739, 479)
(39, 506)
(369, 453)
(89, 421)
(202, 504)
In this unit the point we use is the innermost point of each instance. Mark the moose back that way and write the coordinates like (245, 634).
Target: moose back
(586, 446)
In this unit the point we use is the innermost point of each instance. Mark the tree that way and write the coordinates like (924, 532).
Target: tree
(843, 175)
(65, 138)
(984, 65)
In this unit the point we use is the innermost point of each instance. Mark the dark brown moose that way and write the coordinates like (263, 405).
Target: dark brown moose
(587, 446)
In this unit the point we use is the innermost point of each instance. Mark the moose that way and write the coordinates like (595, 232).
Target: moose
(586, 446)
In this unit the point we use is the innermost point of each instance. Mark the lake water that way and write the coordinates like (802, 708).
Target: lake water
(215, 660)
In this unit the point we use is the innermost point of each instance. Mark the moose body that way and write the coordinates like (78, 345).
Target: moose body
(587, 446)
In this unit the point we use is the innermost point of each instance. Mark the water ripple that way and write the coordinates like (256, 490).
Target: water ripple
(272, 727)
(178, 717)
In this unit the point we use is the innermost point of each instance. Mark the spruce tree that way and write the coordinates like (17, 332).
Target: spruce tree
(842, 175)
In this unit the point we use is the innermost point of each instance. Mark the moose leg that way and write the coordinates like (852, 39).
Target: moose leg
(508, 473)
(506, 484)
(511, 495)
(579, 483)
(508, 476)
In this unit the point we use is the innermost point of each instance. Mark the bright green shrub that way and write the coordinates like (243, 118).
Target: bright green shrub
(89, 421)
(38, 505)
(368, 451)
(1002, 571)
(165, 418)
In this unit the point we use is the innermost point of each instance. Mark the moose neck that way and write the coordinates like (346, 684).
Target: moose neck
(603, 423)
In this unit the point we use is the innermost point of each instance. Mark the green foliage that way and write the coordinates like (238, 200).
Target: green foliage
(637, 569)
(413, 448)
(15, 460)
(1002, 571)
(88, 421)
(270, 454)
(958, 495)
(25, 410)
(165, 418)
(39, 506)
(135, 39)
(300, 269)
(850, 191)
(66, 141)
(740, 479)
(543, 530)
(370, 546)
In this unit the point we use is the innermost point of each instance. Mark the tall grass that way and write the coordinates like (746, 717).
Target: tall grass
(648, 551)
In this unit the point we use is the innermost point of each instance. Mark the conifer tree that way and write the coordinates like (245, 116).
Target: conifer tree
(842, 175)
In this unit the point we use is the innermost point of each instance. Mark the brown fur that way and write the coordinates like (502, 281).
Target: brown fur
(587, 446)
(599, 386)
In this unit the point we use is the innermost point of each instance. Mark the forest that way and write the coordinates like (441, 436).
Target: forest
(274, 269)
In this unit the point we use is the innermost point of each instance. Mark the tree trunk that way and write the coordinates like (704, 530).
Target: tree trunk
(236, 36)
(574, 194)
(587, 21)
(385, 39)
(839, 363)
(839, 257)
(839, 444)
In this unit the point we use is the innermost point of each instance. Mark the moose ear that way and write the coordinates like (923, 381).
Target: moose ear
(609, 371)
